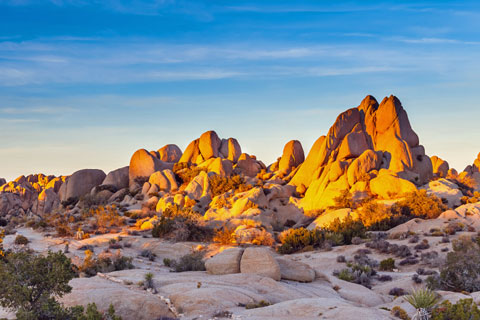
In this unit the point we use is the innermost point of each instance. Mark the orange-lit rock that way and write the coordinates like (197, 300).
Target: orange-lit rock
(292, 156)
(362, 140)
(230, 149)
(143, 164)
(440, 167)
(209, 145)
(192, 152)
(389, 186)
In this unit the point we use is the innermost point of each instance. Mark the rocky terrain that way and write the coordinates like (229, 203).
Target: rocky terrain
(239, 216)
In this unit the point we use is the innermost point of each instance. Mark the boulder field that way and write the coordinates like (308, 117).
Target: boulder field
(371, 151)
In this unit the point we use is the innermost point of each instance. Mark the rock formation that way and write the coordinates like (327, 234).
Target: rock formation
(440, 167)
(80, 183)
(362, 141)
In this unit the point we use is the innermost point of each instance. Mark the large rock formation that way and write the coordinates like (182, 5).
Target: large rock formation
(81, 183)
(117, 178)
(292, 157)
(362, 141)
(143, 164)
(210, 146)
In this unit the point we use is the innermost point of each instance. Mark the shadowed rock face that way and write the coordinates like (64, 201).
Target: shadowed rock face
(80, 183)
(362, 141)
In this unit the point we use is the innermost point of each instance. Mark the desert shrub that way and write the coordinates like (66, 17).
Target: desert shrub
(348, 228)
(91, 201)
(384, 278)
(387, 264)
(420, 204)
(146, 253)
(372, 213)
(422, 245)
(162, 227)
(344, 200)
(21, 240)
(106, 217)
(397, 292)
(461, 271)
(464, 309)
(182, 224)
(29, 284)
(114, 244)
(190, 262)
(220, 185)
(422, 299)
(356, 273)
(294, 240)
(400, 313)
(255, 305)
(104, 263)
(224, 235)
(186, 173)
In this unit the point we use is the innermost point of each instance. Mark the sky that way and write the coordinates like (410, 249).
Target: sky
(85, 83)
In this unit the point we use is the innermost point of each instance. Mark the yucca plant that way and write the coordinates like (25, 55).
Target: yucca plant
(422, 299)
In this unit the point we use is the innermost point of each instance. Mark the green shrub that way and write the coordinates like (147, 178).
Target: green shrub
(399, 313)
(348, 228)
(464, 309)
(189, 262)
(356, 273)
(387, 264)
(21, 240)
(294, 240)
(420, 204)
(163, 227)
(346, 275)
(182, 224)
(260, 304)
(220, 185)
(104, 264)
(344, 200)
(29, 283)
(461, 271)
(186, 173)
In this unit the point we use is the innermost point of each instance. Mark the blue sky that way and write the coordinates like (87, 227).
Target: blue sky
(83, 84)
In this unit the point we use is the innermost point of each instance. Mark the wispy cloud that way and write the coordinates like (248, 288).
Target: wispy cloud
(438, 41)
(37, 110)
(18, 121)
(302, 8)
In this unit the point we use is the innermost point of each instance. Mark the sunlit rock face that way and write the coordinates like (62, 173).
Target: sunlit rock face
(440, 167)
(36, 193)
(472, 172)
(362, 141)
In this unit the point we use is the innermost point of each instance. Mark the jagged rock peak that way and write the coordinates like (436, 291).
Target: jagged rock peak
(382, 128)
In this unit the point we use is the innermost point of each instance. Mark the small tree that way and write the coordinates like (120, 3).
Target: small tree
(30, 283)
